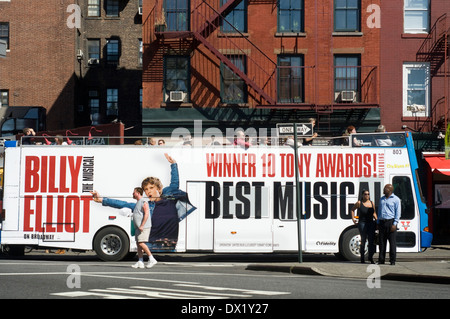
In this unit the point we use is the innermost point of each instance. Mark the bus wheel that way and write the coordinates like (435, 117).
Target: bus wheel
(350, 244)
(111, 244)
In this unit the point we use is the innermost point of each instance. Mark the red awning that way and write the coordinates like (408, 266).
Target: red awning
(439, 164)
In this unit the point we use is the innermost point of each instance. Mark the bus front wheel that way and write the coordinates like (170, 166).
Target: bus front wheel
(349, 246)
(111, 244)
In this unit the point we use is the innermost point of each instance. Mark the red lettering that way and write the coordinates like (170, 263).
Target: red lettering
(60, 216)
(62, 175)
(44, 174)
(38, 211)
(75, 171)
(367, 166)
(31, 174)
(86, 212)
(27, 212)
(49, 226)
(349, 165)
(51, 175)
(71, 221)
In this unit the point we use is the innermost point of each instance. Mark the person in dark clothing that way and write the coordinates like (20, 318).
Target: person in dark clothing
(366, 220)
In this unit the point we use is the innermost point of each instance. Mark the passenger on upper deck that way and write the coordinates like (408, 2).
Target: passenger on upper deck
(385, 140)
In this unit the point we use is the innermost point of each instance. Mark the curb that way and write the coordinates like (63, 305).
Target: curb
(312, 271)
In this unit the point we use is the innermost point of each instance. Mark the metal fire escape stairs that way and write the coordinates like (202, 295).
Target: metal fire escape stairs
(435, 50)
(206, 20)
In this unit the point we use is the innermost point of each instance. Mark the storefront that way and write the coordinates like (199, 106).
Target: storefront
(438, 181)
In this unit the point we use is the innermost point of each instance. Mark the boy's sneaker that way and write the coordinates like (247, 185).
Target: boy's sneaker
(151, 263)
(139, 264)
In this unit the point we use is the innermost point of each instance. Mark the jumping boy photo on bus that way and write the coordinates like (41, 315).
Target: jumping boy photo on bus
(168, 206)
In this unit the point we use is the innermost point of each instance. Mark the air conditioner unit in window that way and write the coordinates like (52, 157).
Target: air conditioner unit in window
(93, 61)
(177, 96)
(348, 96)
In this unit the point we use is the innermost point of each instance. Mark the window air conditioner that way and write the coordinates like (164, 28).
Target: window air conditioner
(80, 54)
(348, 96)
(93, 61)
(177, 96)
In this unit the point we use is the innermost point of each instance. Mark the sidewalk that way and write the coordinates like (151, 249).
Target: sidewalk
(431, 266)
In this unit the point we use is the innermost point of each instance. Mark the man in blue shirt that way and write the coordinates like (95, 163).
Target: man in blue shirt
(388, 217)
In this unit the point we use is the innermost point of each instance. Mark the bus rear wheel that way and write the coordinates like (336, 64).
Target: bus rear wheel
(111, 244)
(349, 246)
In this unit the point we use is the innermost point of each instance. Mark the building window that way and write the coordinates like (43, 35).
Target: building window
(176, 74)
(93, 8)
(236, 20)
(347, 77)
(141, 51)
(4, 33)
(290, 82)
(93, 50)
(177, 15)
(416, 19)
(416, 89)
(347, 15)
(112, 8)
(290, 16)
(4, 98)
(112, 102)
(232, 88)
(94, 102)
(112, 51)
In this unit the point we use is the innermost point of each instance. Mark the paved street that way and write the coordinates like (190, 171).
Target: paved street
(74, 277)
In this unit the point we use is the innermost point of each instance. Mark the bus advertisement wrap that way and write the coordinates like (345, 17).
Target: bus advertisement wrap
(212, 199)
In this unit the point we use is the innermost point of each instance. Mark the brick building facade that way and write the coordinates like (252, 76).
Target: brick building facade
(39, 66)
(109, 64)
(415, 73)
(309, 58)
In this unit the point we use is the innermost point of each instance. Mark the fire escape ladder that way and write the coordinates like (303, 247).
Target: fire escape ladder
(233, 68)
(209, 25)
(206, 20)
(435, 49)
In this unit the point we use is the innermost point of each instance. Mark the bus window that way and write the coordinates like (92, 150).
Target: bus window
(378, 140)
(402, 188)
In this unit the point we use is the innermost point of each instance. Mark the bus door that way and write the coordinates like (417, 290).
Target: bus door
(230, 217)
(285, 227)
(409, 225)
(199, 230)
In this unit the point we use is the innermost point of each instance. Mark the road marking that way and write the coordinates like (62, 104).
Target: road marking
(139, 292)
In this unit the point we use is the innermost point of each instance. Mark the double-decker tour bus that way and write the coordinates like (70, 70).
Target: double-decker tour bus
(215, 199)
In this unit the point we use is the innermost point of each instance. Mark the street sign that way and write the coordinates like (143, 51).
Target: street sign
(2, 49)
(303, 129)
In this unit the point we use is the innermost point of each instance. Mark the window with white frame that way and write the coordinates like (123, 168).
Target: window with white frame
(416, 89)
(416, 16)
(93, 8)
(93, 48)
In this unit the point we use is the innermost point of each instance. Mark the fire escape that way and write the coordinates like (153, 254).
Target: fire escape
(204, 23)
(435, 50)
